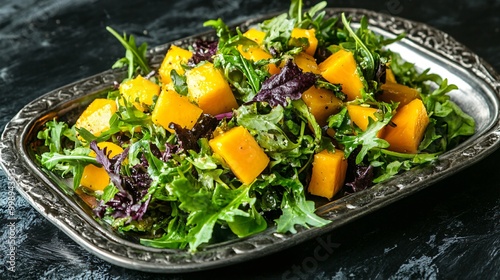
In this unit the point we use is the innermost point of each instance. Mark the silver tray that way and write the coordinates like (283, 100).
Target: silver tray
(425, 46)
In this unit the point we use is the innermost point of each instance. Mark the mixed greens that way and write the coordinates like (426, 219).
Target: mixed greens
(168, 186)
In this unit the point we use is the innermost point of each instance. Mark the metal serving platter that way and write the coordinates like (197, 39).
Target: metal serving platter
(478, 95)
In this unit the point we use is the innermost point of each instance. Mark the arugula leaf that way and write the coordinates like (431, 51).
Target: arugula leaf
(407, 74)
(278, 32)
(295, 10)
(459, 123)
(205, 200)
(266, 128)
(180, 84)
(59, 158)
(204, 211)
(109, 192)
(391, 163)
(174, 238)
(315, 18)
(368, 61)
(52, 135)
(391, 169)
(70, 162)
(57, 161)
(438, 96)
(222, 30)
(244, 75)
(296, 209)
(302, 110)
(241, 73)
(243, 226)
(135, 57)
(281, 132)
(367, 139)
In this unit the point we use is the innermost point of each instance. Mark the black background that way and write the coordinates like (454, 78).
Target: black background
(447, 231)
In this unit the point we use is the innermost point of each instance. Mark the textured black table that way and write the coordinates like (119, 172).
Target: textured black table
(450, 230)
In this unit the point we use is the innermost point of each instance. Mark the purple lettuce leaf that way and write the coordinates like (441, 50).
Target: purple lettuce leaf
(380, 74)
(362, 179)
(223, 116)
(188, 138)
(203, 50)
(131, 188)
(170, 150)
(290, 83)
(112, 166)
(358, 177)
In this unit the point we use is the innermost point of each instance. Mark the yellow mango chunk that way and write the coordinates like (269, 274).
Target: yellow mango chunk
(208, 88)
(359, 115)
(408, 129)
(241, 152)
(174, 59)
(389, 76)
(328, 173)
(322, 103)
(310, 35)
(172, 107)
(397, 93)
(95, 177)
(95, 118)
(140, 92)
(256, 35)
(341, 68)
(255, 53)
(306, 62)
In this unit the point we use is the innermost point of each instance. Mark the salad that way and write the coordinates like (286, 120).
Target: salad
(232, 136)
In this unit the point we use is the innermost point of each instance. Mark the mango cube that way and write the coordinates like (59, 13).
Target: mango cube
(328, 173)
(140, 92)
(359, 115)
(310, 35)
(410, 123)
(341, 68)
(241, 152)
(95, 118)
(208, 88)
(306, 62)
(256, 35)
(94, 178)
(389, 76)
(322, 103)
(172, 107)
(394, 92)
(174, 59)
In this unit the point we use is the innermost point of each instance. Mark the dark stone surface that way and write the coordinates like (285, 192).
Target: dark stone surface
(450, 230)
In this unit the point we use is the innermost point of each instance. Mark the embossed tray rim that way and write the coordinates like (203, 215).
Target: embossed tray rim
(68, 214)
